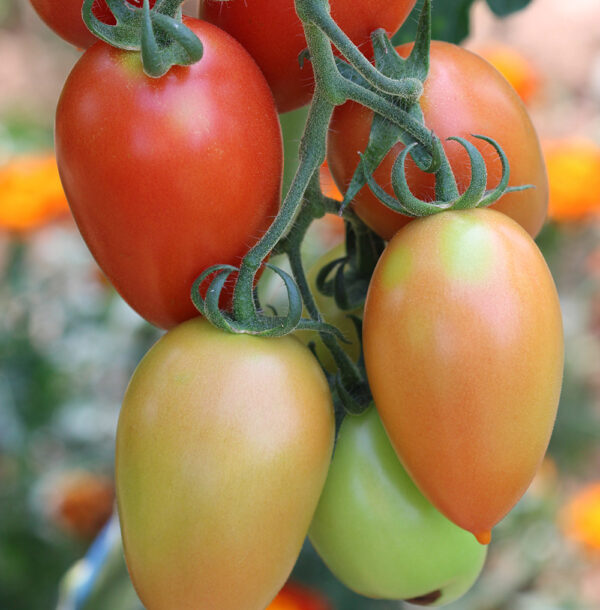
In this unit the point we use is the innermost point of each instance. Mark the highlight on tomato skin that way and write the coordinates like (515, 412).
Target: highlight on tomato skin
(453, 106)
(471, 377)
(264, 25)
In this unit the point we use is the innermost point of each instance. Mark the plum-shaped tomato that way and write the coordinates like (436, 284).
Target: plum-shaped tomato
(223, 447)
(463, 95)
(463, 347)
(376, 531)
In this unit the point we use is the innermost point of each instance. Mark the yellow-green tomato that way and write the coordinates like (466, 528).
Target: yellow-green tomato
(376, 531)
(332, 314)
(223, 447)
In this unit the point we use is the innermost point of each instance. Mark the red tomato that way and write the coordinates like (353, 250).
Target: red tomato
(168, 176)
(297, 597)
(463, 95)
(65, 18)
(463, 347)
(273, 34)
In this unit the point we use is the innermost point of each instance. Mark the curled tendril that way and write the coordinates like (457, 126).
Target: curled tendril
(259, 324)
(324, 285)
(502, 188)
(474, 196)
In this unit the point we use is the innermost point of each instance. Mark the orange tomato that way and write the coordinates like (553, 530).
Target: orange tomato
(463, 95)
(296, 597)
(514, 66)
(463, 346)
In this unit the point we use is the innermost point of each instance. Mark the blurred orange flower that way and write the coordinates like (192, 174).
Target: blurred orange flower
(31, 194)
(295, 597)
(574, 176)
(580, 519)
(81, 502)
(515, 68)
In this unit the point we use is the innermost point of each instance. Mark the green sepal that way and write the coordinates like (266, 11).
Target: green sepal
(158, 33)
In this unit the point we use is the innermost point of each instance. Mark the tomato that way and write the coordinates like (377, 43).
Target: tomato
(332, 314)
(223, 446)
(378, 534)
(66, 21)
(273, 34)
(166, 177)
(297, 597)
(463, 347)
(463, 95)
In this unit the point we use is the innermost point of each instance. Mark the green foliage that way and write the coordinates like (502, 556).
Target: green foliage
(451, 18)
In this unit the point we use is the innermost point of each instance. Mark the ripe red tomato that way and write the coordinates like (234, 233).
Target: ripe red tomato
(463, 347)
(65, 18)
(223, 447)
(463, 95)
(273, 34)
(168, 176)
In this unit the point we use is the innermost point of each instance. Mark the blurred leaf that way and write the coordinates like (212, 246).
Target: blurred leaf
(506, 7)
(451, 19)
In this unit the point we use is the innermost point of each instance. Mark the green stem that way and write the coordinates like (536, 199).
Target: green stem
(312, 155)
(409, 89)
(348, 369)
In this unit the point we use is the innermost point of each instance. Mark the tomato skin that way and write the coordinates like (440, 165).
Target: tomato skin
(223, 447)
(332, 314)
(463, 95)
(463, 347)
(67, 22)
(272, 33)
(166, 177)
(378, 534)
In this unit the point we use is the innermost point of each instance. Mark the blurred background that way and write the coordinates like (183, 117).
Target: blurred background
(68, 343)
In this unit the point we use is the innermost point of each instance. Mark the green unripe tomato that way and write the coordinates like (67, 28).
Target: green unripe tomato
(332, 314)
(378, 534)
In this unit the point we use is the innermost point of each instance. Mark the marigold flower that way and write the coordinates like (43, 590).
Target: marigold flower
(574, 176)
(81, 502)
(580, 519)
(31, 194)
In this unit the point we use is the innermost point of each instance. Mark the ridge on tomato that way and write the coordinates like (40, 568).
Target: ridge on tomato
(272, 33)
(463, 95)
(65, 19)
(463, 348)
(223, 447)
(166, 177)
(378, 534)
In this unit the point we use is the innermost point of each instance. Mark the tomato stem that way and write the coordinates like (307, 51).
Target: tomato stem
(158, 33)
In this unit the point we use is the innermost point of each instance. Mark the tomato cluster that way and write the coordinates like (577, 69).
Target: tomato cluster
(225, 441)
